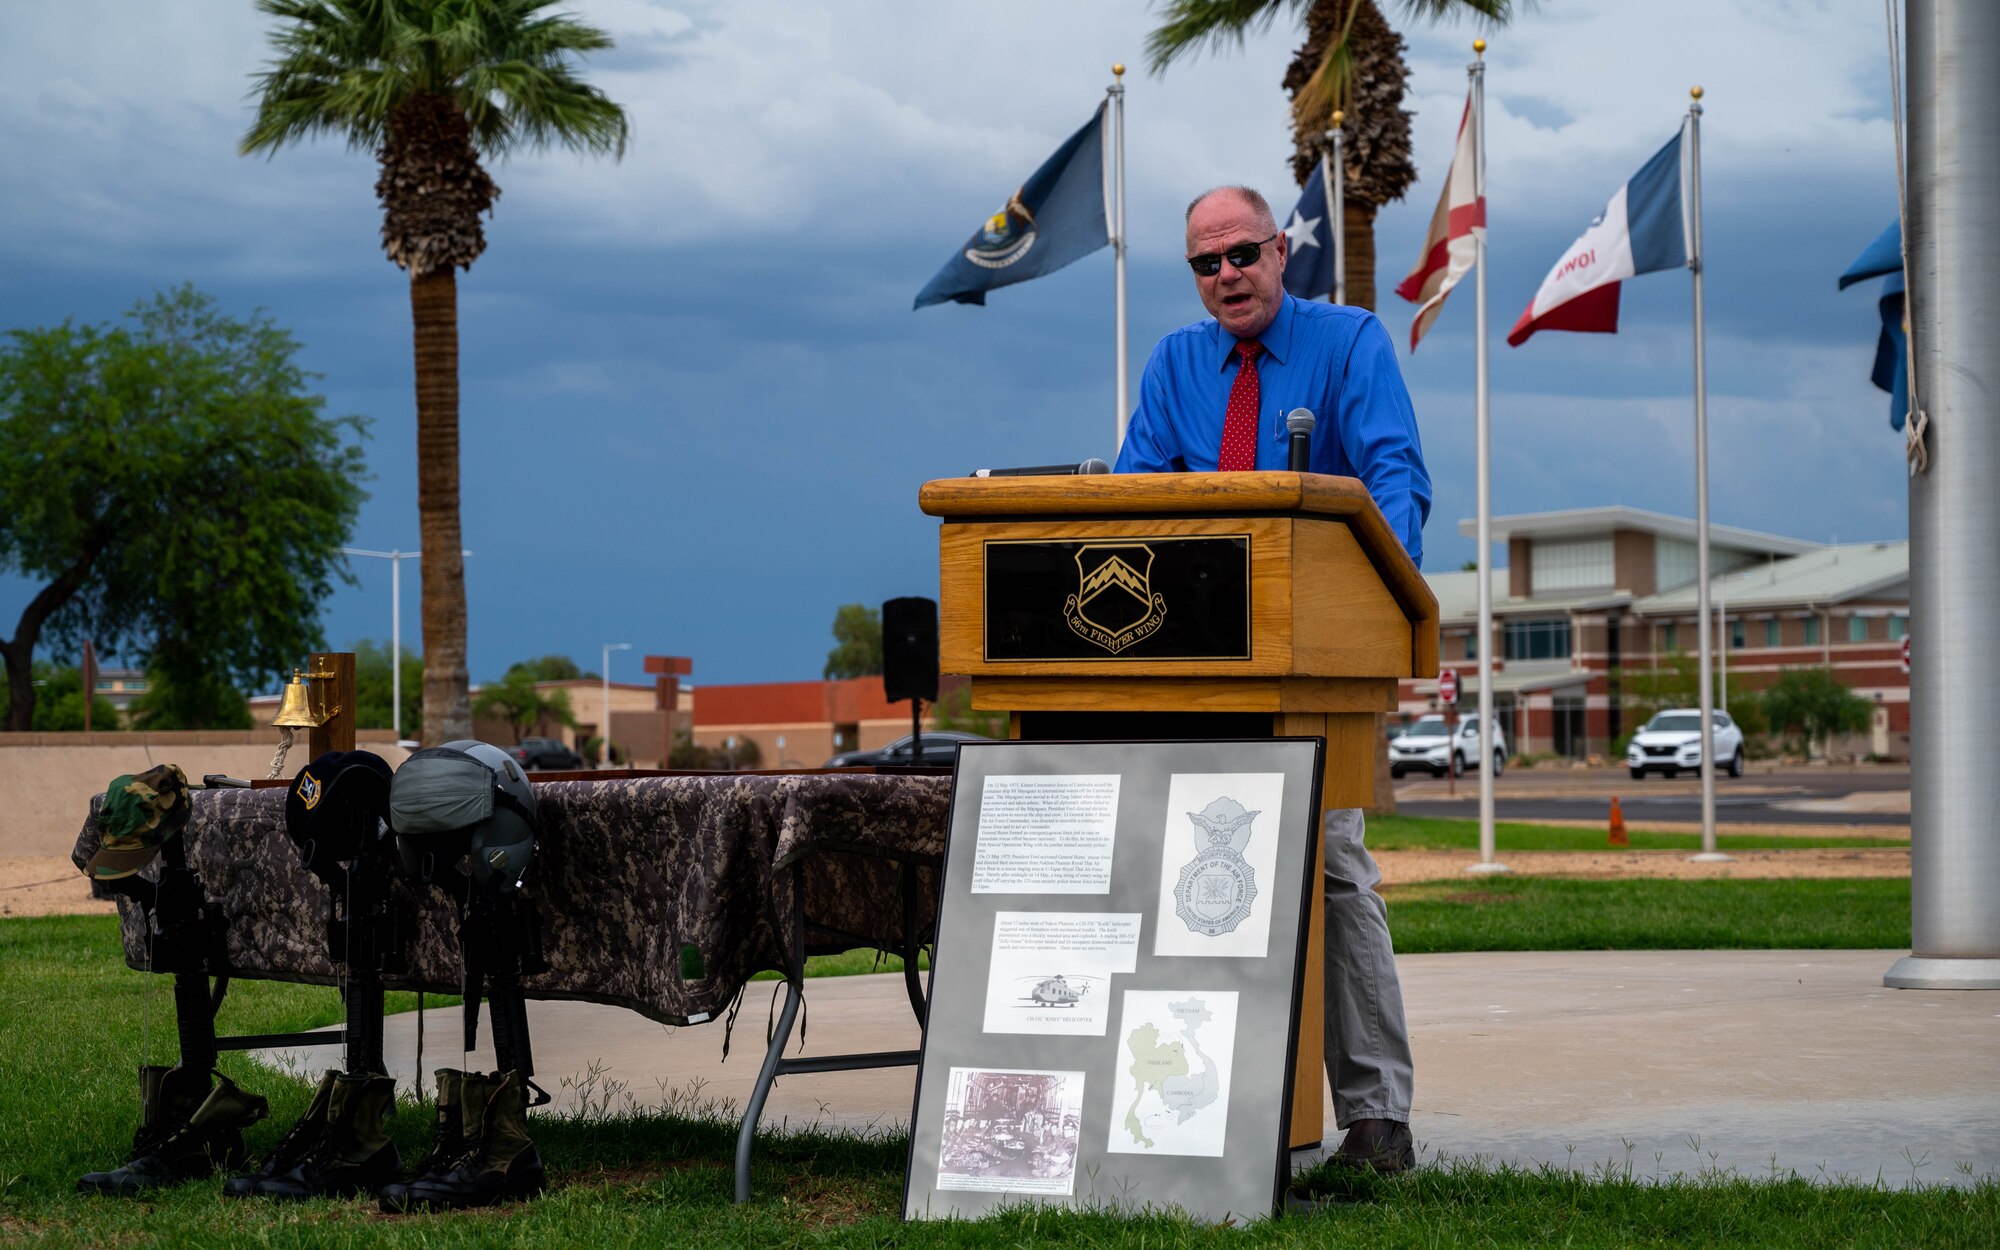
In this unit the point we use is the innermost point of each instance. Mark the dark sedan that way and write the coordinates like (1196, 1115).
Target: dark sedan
(940, 751)
(546, 755)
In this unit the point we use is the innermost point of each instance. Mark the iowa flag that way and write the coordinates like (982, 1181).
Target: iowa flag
(1452, 243)
(1640, 231)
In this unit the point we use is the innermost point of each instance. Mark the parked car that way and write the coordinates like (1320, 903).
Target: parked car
(546, 754)
(1671, 741)
(1433, 747)
(940, 751)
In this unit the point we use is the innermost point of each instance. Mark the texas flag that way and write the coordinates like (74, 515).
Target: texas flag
(1641, 230)
(1452, 244)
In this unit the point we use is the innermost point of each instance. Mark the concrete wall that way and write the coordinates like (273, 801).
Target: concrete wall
(46, 785)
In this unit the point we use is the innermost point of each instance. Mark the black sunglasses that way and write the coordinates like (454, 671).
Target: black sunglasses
(1243, 255)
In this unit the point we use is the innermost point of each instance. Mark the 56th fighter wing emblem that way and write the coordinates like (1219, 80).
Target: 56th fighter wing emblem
(1115, 605)
(1217, 886)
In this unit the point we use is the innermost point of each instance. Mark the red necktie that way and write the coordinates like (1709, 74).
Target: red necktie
(1239, 427)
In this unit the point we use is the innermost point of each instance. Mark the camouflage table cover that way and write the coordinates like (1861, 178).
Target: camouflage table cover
(628, 871)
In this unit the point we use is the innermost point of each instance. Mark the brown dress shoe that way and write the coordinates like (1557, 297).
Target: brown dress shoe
(1383, 1145)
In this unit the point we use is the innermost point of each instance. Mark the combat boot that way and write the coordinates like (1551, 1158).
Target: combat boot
(353, 1154)
(298, 1142)
(167, 1098)
(502, 1164)
(211, 1138)
(460, 1125)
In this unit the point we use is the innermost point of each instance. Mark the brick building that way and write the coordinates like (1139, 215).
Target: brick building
(801, 724)
(1591, 593)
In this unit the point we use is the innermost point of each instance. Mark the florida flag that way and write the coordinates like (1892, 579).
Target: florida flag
(1640, 231)
(1452, 243)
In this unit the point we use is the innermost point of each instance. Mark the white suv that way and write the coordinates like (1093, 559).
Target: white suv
(1429, 745)
(1671, 741)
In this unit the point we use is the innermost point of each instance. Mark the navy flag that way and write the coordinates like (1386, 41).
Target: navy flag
(1884, 257)
(1309, 266)
(1056, 217)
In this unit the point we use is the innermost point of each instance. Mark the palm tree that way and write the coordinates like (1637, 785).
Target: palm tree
(428, 85)
(1351, 61)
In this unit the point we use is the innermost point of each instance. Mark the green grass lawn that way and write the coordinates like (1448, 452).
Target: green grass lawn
(1404, 833)
(1553, 913)
(74, 1022)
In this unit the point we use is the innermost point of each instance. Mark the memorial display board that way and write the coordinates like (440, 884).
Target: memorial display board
(1113, 1018)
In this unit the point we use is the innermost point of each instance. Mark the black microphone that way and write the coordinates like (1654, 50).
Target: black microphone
(1299, 424)
(1092, 465)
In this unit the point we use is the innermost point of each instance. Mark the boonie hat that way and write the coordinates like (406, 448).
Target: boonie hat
(139, 813)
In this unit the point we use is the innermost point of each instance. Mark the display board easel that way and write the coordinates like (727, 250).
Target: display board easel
(1188, 605)
(1121, 954)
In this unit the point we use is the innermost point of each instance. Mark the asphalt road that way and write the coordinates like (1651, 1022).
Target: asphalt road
(1763, 798)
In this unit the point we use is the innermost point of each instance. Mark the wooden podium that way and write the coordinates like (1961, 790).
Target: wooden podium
(1188, 605)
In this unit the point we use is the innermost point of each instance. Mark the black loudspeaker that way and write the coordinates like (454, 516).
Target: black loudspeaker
(910, 649)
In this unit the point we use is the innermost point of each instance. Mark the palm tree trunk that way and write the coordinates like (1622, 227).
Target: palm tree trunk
(434, 314)
(1358, 223)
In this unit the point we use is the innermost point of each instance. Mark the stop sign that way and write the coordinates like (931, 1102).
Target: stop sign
(1448, 685)
(1906, 653)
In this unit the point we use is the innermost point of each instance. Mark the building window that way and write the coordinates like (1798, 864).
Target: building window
(1673, 636)
(1471, 647)
(1537, 640)
(1812, 631)
(1736, 639)
(1571, 564)
(1898, 626)
(1771, 632)
(1857, 629)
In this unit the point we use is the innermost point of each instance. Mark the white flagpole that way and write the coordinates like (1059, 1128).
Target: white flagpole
(1704, 622)
(1333, 180)
(1117, 93)
(1482, 410)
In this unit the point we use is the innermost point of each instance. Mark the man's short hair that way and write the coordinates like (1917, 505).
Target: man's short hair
(1248, 195)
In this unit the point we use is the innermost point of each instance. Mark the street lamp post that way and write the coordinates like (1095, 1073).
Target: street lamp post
(604, 730)
(395, 559)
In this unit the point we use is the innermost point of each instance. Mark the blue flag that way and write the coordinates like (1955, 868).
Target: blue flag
(1309, 265)
(1056, 217)
(1884, 258)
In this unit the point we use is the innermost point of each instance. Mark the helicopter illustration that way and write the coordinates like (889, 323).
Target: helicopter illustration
(1058, 990)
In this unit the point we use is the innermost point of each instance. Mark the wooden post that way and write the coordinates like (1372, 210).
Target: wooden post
(336, 692)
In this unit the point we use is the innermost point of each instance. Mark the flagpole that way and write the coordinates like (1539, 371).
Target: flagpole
(1483, 437)
(1704, 622)
(1333, 180)
(1117, 92)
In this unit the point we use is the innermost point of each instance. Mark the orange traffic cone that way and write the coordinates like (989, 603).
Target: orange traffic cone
(1618, 837)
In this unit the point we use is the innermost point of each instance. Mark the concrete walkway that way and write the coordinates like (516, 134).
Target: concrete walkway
(1661, 1061)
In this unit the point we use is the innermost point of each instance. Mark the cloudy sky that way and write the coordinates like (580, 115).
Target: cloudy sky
(697, 406)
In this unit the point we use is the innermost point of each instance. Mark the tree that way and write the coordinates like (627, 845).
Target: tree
(59, 701)
(196, 700)
(427, 85)
(1815, 705)
(857, 638)
(551, 668)
(954, 710)
(729, 756)
(1351, 61)
(172, 487)
(517, 700)
(375, 688)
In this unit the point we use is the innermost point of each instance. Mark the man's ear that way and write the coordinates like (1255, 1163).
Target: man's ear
(1284, 242)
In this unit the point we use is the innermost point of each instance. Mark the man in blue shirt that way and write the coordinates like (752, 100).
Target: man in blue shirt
(1213, 397)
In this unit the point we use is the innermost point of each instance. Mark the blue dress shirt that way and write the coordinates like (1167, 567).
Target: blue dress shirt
(1336, 360)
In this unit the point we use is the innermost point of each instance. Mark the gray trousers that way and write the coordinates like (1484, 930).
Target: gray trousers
(1367, 1038)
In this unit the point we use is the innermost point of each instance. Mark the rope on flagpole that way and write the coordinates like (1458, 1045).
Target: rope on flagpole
(1915, 422)
(1117, 93)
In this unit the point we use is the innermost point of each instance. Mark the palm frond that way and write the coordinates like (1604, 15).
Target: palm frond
(1490, 12)
(344, 66)
(1188, 26)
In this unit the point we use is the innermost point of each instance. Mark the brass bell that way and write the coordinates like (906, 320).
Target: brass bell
(295, 709)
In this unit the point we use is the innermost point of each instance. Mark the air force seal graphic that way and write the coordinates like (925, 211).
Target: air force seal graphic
(1217, 887)
(1115, 605)
(1006, 238)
